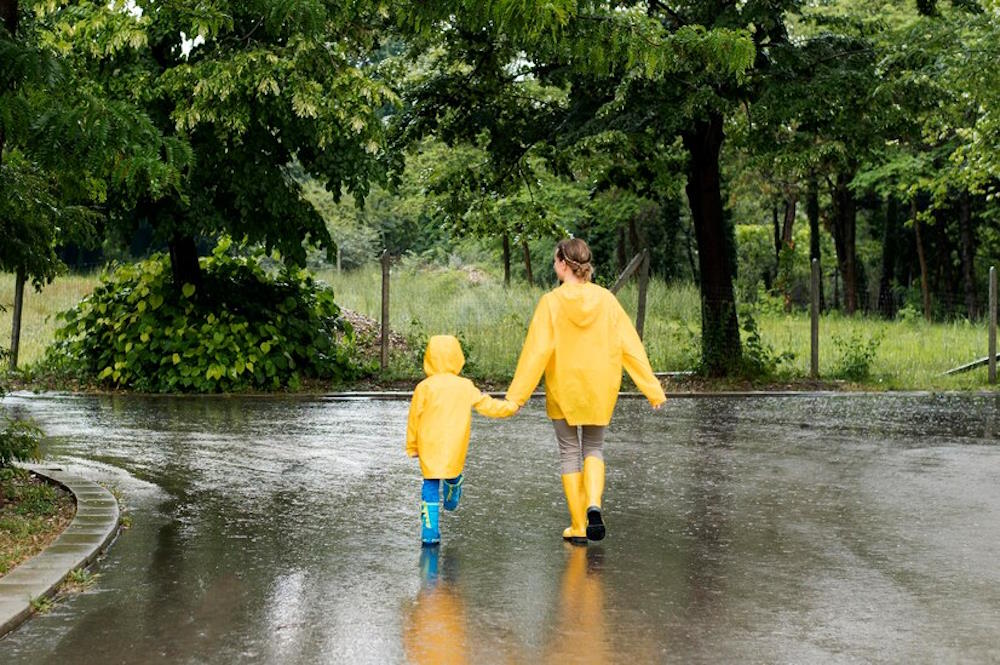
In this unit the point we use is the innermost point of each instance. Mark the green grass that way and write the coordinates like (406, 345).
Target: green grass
(491, 321)
(38, 322)
(32, 514)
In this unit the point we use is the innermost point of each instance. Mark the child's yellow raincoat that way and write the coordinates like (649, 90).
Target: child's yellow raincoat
(580, 337)
(441, 410)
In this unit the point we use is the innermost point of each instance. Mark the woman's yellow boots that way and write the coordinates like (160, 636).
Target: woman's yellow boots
(593, 487)
(583, 498)
(576, 532)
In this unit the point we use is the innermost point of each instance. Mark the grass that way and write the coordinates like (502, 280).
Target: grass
(32, 514)
(491, 322)
(38, 322)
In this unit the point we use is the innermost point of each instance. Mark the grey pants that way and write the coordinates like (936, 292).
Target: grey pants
(578, 442)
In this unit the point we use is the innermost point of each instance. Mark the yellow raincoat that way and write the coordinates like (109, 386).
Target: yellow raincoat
(441, 410)
(580, 337)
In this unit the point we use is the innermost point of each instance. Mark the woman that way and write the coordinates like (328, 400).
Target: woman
(580, 337)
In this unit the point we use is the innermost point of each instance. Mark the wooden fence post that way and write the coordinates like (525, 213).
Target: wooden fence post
(15, 329)
(632, 266)
(385, 308)
(814, 321)
(993, 325)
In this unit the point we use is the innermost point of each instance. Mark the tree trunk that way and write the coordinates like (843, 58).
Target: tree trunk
(788, 222)
(506, 259)
(925, 288)
(968, 252)
(812, 212)
(15, 328)
(890, 245)
(9, 16)
(634, 241)
(184, 261)
(527, 262)
(721, 351)
(776, 228)
(844, 227)
(692, 264)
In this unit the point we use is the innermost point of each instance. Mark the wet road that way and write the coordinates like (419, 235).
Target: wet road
(832, 529)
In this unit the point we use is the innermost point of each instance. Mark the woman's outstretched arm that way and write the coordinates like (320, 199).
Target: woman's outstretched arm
(636, 361)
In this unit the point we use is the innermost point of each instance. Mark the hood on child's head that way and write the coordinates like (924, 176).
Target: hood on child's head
(443, 355)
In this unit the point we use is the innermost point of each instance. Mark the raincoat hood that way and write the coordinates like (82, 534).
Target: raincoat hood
(581, 304)
(443, 356)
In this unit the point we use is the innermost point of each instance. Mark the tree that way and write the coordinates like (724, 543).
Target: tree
(634, 68)
(249, 88)
(61, 144)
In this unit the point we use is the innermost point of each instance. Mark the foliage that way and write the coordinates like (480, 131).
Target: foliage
(759, 360)
(63, 142)
(19, 442)
(247, 89)
(856, 355)
(248, 330)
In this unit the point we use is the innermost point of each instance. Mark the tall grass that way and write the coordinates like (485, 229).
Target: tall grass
(38, 322)
(492, 321)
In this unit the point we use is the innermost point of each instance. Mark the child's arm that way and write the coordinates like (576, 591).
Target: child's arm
(495, 408)
(413, 421)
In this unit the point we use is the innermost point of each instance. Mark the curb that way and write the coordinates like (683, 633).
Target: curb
(93, 527)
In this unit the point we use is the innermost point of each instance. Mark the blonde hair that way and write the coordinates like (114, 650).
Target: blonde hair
(576, 254)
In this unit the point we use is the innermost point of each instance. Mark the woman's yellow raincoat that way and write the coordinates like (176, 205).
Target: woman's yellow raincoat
(580, 337)
(441, 410)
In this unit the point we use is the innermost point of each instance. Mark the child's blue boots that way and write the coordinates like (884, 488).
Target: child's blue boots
(430, 523)
(453, 492)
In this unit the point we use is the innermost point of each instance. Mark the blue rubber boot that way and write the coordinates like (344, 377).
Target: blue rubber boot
(453, 492)
(430, 529)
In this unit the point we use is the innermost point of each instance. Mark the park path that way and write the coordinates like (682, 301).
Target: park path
(832, 528)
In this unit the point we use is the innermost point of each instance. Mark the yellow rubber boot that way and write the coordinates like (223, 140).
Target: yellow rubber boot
(576, 533)
(593, 484)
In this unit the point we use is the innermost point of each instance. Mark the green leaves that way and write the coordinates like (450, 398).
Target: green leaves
(251, 330)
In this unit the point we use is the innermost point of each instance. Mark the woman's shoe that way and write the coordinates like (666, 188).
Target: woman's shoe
(595, 524)
(576, 533)
(593, 484)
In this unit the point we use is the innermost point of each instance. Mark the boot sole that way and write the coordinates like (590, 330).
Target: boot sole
(595, 524)
(575, 540)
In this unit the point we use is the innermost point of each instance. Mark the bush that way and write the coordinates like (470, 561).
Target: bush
(19, 442)
(856, 355)
(243, 329)
(759, 359)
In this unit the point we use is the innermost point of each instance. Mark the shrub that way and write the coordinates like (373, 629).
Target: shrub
(856, 355)
(244, 328)
(759, 360)
(19, 442)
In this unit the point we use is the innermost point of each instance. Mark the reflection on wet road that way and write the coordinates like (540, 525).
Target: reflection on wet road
(845, 528)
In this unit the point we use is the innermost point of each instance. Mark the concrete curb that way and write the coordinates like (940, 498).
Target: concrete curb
(93, 527)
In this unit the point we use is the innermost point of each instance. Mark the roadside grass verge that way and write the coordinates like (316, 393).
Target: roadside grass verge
(491, 322)
(32, 514)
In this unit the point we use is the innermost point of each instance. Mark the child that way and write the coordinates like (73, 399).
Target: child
(439, 425)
